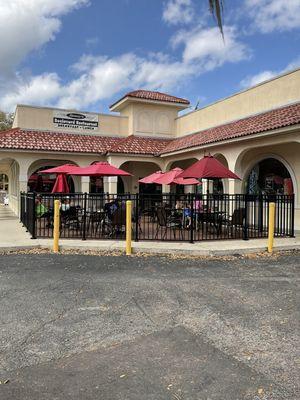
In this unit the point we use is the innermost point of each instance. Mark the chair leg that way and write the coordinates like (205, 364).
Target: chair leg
(165, 233)
(156, 234)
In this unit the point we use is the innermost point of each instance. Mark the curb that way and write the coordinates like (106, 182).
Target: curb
(136, 250)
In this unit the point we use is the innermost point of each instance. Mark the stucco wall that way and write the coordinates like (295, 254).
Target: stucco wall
(275, 93)
(39, 118)
(151, 120)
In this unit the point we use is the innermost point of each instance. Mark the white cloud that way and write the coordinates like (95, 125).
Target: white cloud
(207, 46)
(270, 15)
(92, 41)
(258, 78)
(253, 80)
(293, 64)
(96, 78)
(40, 90)
(26, 25)
(178, 12)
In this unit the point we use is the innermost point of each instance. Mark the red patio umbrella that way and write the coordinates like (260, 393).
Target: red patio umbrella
(171, 177)
(62, 169)
(186, 181)
(208, 168)
(61, 184)
(100, 169)
(151, 178)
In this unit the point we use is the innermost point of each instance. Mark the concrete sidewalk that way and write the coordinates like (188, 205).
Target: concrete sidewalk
(14, 237)
(214, 248)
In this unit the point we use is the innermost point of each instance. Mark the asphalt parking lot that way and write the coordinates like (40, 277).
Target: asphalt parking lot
(111, 327)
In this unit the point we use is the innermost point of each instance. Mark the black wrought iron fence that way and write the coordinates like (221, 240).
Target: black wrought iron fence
(169, 217)
(27, 212)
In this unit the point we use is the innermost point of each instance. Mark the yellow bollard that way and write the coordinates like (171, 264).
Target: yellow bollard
(56, 226)
(271, 227)
(128, 228)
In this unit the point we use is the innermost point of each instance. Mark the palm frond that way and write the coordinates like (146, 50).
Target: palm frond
(216, 8)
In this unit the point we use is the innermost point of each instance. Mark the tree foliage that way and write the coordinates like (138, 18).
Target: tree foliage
(6, 120)
(216, 8)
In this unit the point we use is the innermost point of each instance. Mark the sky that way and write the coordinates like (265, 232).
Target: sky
(85, 54)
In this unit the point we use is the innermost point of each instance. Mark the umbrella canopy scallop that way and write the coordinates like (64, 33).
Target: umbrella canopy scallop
(171, 177)
(100, 169)
(61, 169)
(151, 178)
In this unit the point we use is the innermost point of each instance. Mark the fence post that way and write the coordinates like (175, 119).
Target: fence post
(128, 227)
(56, 226)
(192, 219)
(245, 228)
(293, 216)
(33, 233)
(84, 217)
(21, 207)
(271, 227)
(137, 226)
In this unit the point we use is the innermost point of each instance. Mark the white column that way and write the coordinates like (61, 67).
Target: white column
(85, 184)
(105, 184)
(21, 186)
(204, 186)
(231, 186)
(166, 188)
(111, 184)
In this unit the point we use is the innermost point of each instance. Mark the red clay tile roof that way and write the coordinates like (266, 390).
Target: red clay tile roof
(55, 141)
(19, 139)
(154, 96)
(140, 145)
(270, 120)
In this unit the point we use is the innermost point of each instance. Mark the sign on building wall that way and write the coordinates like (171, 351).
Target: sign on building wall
(75, 120)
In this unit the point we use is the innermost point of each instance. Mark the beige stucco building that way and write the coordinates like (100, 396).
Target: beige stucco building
(255, 133)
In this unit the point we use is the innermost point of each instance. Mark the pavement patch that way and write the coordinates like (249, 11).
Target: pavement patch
(171, 364)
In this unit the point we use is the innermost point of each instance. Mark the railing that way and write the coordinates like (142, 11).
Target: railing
(167, 217)
(27, 212)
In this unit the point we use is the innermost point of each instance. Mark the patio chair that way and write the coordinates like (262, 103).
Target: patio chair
(137, 218)
(236, 220)
(98, 220)
(69, 218)
(118, 221)
(166, 222)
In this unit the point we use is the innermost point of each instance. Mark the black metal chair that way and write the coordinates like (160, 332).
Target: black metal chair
(137, 217)
(165, 222)
(236, 221)
(118, 221)
(70, 219)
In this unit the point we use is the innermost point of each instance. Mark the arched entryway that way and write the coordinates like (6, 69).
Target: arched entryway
(4, 182)
(43, 183)
(138, 169)
(181, 189)
(220, 186)
(9, 182)
(269, 176)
